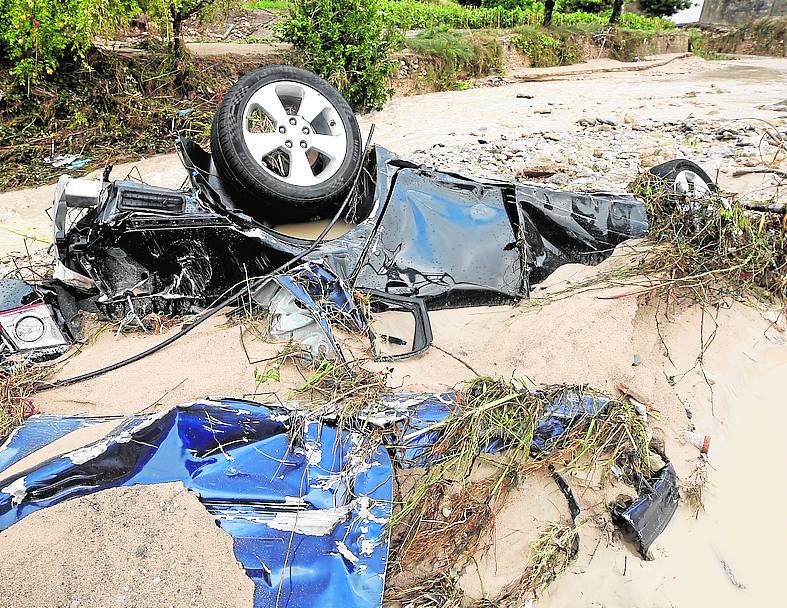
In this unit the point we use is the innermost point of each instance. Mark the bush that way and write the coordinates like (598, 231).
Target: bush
(36, 35)
(547, 49)
(512, 4)
(413, 14)
(663, 8)
(584, 6)
(171, 14)
(347, 42)
(451, 58)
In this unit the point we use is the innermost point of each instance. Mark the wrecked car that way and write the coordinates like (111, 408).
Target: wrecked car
(286, 147)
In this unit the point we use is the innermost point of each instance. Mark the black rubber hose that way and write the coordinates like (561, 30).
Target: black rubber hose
(204, 316)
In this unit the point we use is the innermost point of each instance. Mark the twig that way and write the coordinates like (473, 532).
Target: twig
(778, 172)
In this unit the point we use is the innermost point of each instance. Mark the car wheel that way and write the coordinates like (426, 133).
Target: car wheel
(687, 178)
(286, 144)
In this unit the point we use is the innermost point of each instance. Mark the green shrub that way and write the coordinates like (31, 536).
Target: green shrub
(633, 21)
(547, 49)
(347, 42)
(36, 35)
(584, 6)
(414, 14)
(512, 4)
(450, 58)
(663, 8)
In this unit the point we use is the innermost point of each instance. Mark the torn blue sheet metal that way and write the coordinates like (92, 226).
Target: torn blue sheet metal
(41, 430)
(307, 508)
(565, 410)
(300, 304)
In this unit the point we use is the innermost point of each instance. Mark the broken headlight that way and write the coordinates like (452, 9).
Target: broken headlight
(31, 327)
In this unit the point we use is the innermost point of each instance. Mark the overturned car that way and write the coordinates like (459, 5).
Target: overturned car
(286, 147)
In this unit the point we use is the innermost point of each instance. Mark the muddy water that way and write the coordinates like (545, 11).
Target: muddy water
(311, 230)
(730, 555)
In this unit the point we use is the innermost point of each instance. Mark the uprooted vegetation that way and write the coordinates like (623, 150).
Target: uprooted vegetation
(713, 246)
(17, 385)
(705, 249)
(110, 109)
(446, 516)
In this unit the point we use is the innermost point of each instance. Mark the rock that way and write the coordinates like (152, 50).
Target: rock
(636, 361)
(523, 96)
(597, 153)
(606, 120)
(584, 171)
(543, 111)
(586, 122)
(528, 170)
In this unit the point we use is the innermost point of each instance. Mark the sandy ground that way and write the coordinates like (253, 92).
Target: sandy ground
(146, 547)
(601, 337)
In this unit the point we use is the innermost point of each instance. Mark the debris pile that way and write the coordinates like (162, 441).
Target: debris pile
(606, 153)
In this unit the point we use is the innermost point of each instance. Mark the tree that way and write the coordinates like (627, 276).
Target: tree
(617, 9)
(170, 15)
(347, 42)
(37, 35)
(663, 8)
(549, 7)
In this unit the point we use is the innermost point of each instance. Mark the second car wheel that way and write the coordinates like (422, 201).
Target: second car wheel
(687, 178)
(286, 144)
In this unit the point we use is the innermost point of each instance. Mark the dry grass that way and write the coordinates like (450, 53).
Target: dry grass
(713, 246)
(693, 487)
(444, 517)
(17, 385)
(344, 388)
(550, 554)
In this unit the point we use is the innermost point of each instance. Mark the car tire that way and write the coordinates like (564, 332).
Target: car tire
(687, 178)
(286, 145)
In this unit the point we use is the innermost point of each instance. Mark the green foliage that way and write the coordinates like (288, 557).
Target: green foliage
(663, 8)
(413, 14)
(268, 4)
(347, 42)
(633, 21)
(451, 58)
(512, 4)
(699, 45)
(547, 49)
(584, 6)
(36, 35)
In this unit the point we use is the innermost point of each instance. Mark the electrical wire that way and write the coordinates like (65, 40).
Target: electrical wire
(207, 314)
